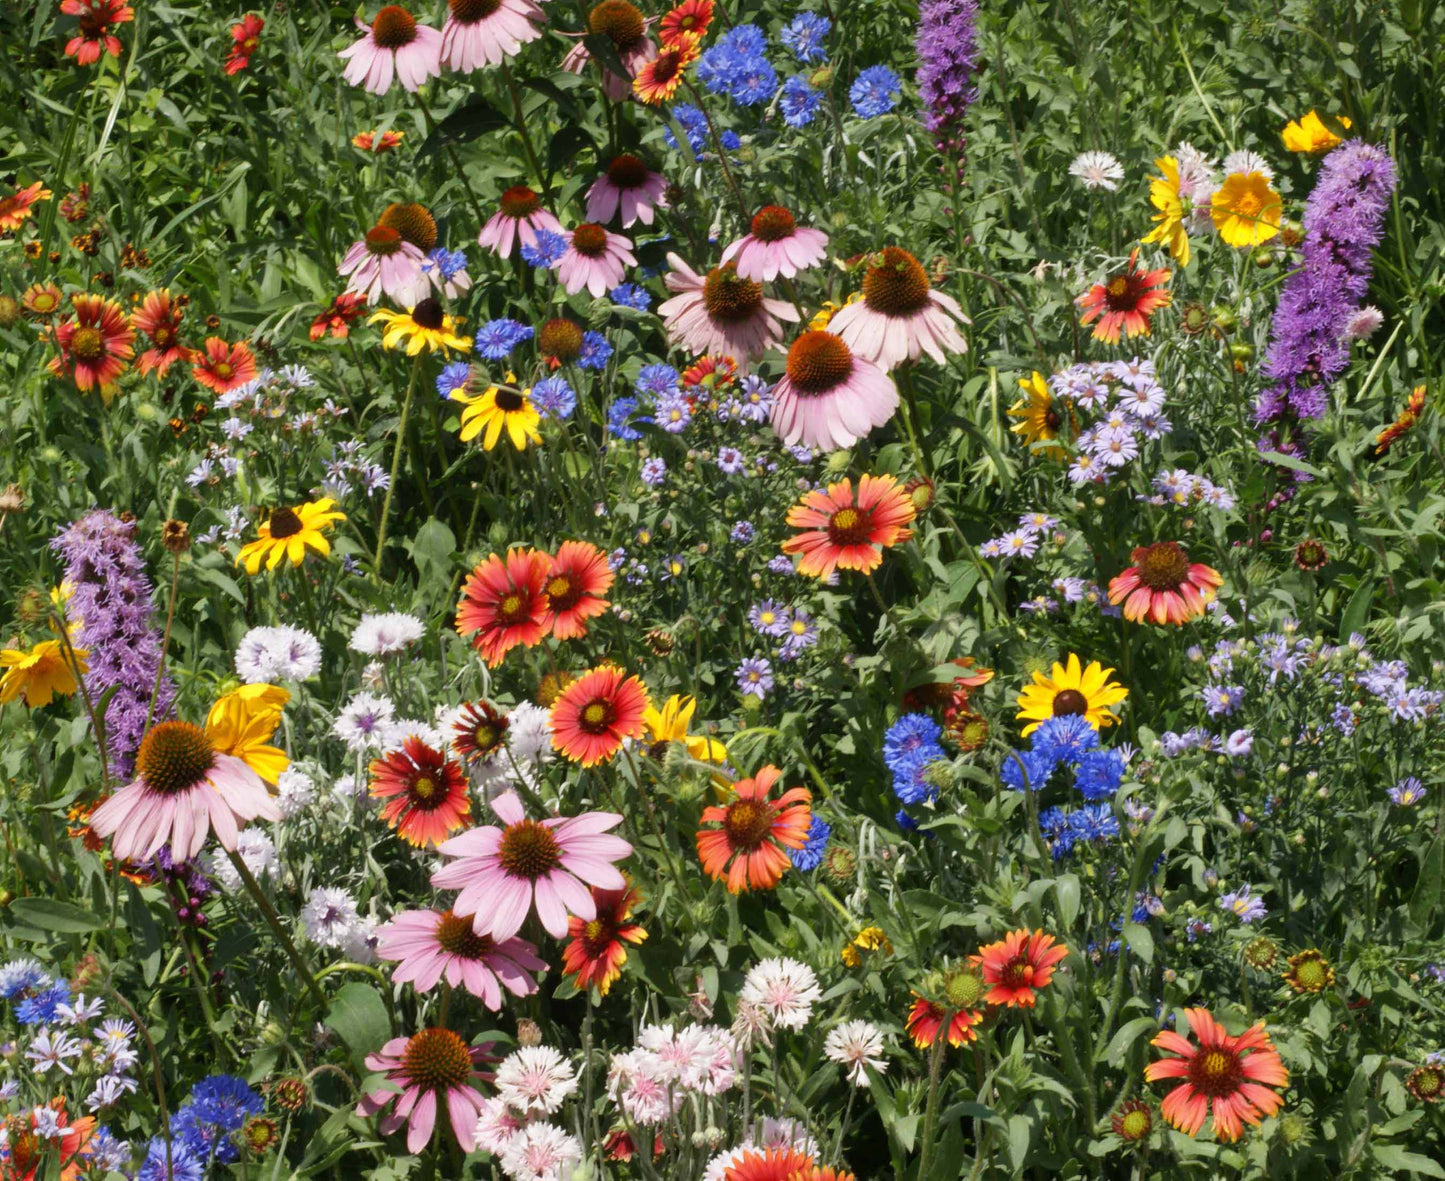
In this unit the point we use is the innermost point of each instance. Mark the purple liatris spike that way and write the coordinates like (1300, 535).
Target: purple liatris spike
(112, 601)
(947, 63)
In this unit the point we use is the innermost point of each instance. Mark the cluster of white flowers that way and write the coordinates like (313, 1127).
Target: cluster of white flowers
(651, 1081)
(278, 654)
(330, 920)
(532, 1084)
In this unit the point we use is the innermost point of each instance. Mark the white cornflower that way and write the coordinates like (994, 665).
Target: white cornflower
(529, 733)
(541, 1152)
(855, 1045)
(363, 723)
(278, 654)
(1097, 170)
(1364, 323)
(381, 635)
(396, 733)
(257, 853)
(328, 916)
(496, 1125)
(1243, 160)
(535, 1079)
(786, 990)
(295, 790)
(638, 1082)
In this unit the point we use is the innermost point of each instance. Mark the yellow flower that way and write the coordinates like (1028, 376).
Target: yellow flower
(287, 534)
(868, 939)
(242, 723)
(1071, 690)
(428, 326)
(824, 315)
(498, 408)
(1164, 196)
(1245, 210)
(41, 673)
(1039, 419)
(60, 597)
(1311, 135)
(670, 725)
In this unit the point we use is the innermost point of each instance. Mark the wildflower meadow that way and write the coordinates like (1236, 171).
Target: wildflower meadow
(615, 591)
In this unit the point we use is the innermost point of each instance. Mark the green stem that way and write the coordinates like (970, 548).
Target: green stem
(297, 960)
(395, 468)
(526, 135)
(721, 154)
(165, 642)
(451, 149)
(930, 1111)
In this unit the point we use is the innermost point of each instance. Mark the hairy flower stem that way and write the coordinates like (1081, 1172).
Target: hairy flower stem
(165, 640)
(526, 135)
(722, 155)
(930, 1111)
(297, 960)
(395, 469)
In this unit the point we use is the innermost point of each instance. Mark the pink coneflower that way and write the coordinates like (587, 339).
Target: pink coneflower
(629, 185)
(393, 44)
(439, 944)
(431, 1068)
(900, 315)
(481, 33)
(500, 871)
(830, 398)
(183, 788)
(722, 313)
(518, 219)
(383, 262)
(620, 21)
(596, 259)
(776, 245)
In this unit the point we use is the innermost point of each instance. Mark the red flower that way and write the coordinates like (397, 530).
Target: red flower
(841, 531)
(713, 373)
(776, 1164)
(577, 578)
(1163, 585)
(691, 17)
(223, 367)
(160, 319)
(246, 36)
(97, 17)
(28, 1151)
(1125, 300)
(504, 604)
(95, 346)
(15, 208)
(480, 731)
(754, 831)
(337, 318)
(427, 793)
(369, 141)
(1231, 1075)
(925, 1019)
(596, 712)
(1017, 964)
(598, 948)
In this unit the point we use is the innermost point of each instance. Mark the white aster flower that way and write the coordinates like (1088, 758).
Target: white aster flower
(785, 989)
(1097, 170)
(856, 1045)
(328, 916)
(363, 724)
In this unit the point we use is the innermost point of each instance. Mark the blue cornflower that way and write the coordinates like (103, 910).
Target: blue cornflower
(40, 1008)
(447, 263)
(655, 381)
(800, 102)
(548, 249)
(694, 125)
(619, 419)
(206, 1140)
(1026, 764)
(630, 295)
(731, 140)
(748, 40)
(497, 338)
(654, 472)
(810, 856)
(1094, 823)
(804, 36)
(554, 398)
(875, 92)
(225, 1100)
(905, 821)
(185, 1164)
(910, 778)
(742, 532)
(755, 84)
(595, 351)
(1065, 737)
(1099, 774)
(452, 377)
(21, 976)
(911, 733)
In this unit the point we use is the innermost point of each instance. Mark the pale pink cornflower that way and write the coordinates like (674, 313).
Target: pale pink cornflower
(384, 263)
(636, 1082)
(432, 1069)
(721, 314)
(433, 945)
(856, 1046)
(830, 398)
(785, 989)
(628, 185)
(541, 1152)
(535, 1080)
(481, 33)
(776, 245)
(393, 45)
(518, 218)
(502, 871)
(596, 259)
(751, 1024)
(496, 1125)
(901, 316)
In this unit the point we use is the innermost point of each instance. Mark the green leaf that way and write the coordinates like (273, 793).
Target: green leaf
(1359, 609)
(1125, 1036)
(50, 914)
(1068, 890)
(1395, 1158)
(1140, 942)
(604, 52)
(359, 1018)
(473, 119)
(1427, 889)
(1289, 461)
(432, 548)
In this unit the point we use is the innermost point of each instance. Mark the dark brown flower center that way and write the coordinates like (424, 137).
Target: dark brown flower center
(818, 361)
(1017, 973)
(668, 65)
(413, 222)
(1215, 1072)
(469, 12)
(617, 19)
(1124, 290)
(627, 172)
(1163, 566)
(748, 824)
(1070, 701)
(561, 339)
(173, 756)
(597, 716)
(513, 608)
(529, 850)
(589, 239)
(436, 1059)
(772, 223)
(509, 401)
(87, 344)
(428, 314)
(850, 526)
(562, 593)
(393, 27)
(382, 240)
(895, 283)
(285, 523)
(455, 935)
(729, 298)
(519, 201)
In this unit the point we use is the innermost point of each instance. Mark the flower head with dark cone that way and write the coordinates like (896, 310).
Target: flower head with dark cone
(223, 367)
(721, 312)
(577, 579)
(440, 945)
(1163, 585)
(159, 317)
(1133, 1121)
(431, 1072)
(776, 245)
(518, 218)
(288, 533)
(482, 33)
(481, 731)
(1017, 966)
(1125, 301)
(828, 398)
(95, 346)
(503, 604)
(1226, 1076)
(901, 316)
(596, 712)
(691, 18)
(597, 947)
(1071, 689)
(657, 81)
(97, 19)
(1041, 418)
(748, 847)
(393, 46)
(925, 1019)
(425, 793)
(841, 531)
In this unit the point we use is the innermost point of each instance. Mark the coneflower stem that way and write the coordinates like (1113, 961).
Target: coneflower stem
(395, 468)
(525, 134)
(297, 960)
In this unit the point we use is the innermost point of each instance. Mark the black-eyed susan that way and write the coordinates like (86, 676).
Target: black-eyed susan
(427, 326)
(1245, 209)
(40, 673)
(499, 408)
(1164, 195)
(288, 533)
(1071, 688)
(1040, 417)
